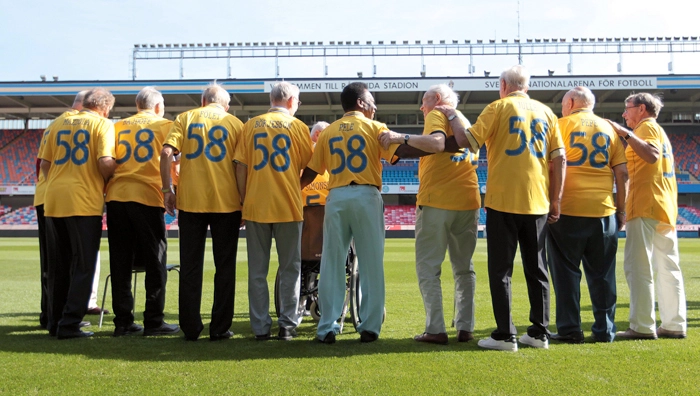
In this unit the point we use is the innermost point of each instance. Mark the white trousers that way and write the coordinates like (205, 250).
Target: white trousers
(651, 253)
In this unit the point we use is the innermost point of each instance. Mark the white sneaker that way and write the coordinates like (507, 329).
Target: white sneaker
(534, 342)
(500, 345)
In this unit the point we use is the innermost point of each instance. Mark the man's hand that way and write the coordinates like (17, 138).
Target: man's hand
(446, 110)
(169, 200)
(619, 129)
(621, 218)
(387, 138)
(554, 211)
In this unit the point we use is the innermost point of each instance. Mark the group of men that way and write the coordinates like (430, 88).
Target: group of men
(233, 173)
(550, 191)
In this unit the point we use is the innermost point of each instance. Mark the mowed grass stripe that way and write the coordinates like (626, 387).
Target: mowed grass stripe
(31, 362)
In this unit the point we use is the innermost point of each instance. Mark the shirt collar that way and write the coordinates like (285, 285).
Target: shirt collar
(581, 111)
(518, 93)
(278, 109)
(353, 114)
(215, 105)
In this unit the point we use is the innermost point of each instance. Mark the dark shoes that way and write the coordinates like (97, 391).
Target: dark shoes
(368, 336)
(66, 334)
(286, 334)
(223, 336)
(96, 311)
(127, 330)
(164, 329)
(464, 336)
(328, 339)
(439, 338)
(263, 337)
(571, 338)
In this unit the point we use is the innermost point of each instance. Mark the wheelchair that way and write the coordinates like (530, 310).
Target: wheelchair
(311, 247)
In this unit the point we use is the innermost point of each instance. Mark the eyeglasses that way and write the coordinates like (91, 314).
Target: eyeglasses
(630, 107)
(298, 102)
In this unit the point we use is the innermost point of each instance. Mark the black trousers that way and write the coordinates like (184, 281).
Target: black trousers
(224, 235)
(73, 243)
(137, 239)
(504, 231)
(44, 265)
(593, 241)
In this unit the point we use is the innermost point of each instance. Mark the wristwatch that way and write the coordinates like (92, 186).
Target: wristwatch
(629, 135)
(452, 117)
(405, 138)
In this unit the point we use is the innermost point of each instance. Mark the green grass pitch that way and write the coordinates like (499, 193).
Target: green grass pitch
(31, 362)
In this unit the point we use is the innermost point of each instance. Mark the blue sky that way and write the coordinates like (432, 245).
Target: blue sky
(92, 40)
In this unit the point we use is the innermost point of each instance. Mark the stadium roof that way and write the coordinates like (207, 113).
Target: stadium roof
(321, 96)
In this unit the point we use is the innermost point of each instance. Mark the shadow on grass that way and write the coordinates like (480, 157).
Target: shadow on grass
(30, 339)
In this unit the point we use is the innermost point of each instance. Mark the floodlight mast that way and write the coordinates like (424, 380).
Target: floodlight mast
(466, 48)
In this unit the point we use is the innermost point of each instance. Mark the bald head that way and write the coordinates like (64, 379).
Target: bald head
(577, 98)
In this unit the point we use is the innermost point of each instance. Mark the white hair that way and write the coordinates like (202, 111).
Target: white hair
(215, 93)
(447, 95)
(319, 126)
(517, 78)
(282, 91)
(148, 98)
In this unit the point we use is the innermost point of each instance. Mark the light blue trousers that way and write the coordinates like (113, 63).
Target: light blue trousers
(352, 212)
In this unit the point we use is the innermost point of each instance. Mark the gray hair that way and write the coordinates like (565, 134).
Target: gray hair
(517, 78)
(582, 96)
(282, 91)
(215, 93)
(653, 102)
(447, 95)
(148, 98)
(98, 99)
(78, 101)
(319, 126)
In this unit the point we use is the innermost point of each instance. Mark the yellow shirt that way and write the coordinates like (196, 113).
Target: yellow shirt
(75, 186)
(350, 151)
(592, 150)
(40, 189)
(139, 140)
(275, 147)
(316, 192)
(520, 134)
(448, 180)
(207, 138)
(653, 191)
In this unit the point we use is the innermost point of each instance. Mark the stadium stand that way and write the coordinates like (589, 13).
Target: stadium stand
(688, 215)
(686, 148)
(4, 209)
(8, 135)
(19, 158)
(23, 216)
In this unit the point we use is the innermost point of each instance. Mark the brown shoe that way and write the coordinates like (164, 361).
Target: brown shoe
(663, 333)
(439, 338)
(633, 335)
(464, 336)
(96, 311)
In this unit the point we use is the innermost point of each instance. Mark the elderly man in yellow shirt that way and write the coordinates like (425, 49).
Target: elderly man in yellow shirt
(651, 250)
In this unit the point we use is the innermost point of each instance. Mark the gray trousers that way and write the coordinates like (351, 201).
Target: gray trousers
(438, 230)
(288, 241)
